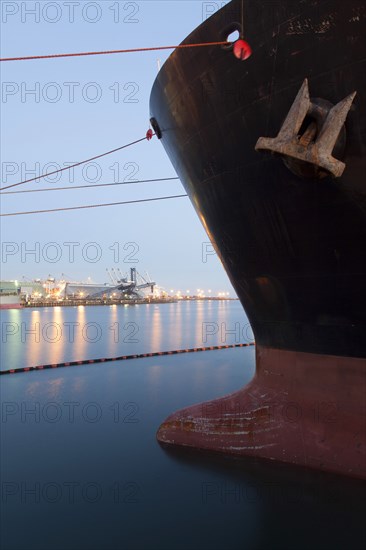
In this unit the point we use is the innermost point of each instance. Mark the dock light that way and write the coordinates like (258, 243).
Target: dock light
(242, 50)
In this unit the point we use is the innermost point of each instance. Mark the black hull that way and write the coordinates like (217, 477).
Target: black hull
(294, 249)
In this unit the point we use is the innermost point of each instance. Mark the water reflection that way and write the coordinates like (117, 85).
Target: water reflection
(156, 330)
(53, 335)
(80, 341)
(33, 345)
(33, 389)
(78, 385)
(11, 333)
(54, 388)
(113, 330)
(175, 324)
(185, 499)
(275, 503)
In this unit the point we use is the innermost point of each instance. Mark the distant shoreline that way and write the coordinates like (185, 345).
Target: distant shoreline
(86, 302)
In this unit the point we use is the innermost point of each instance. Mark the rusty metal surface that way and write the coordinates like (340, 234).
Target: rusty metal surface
(317, 152)
(295, 410)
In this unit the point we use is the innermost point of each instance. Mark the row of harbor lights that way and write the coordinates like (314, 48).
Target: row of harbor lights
(200, 293)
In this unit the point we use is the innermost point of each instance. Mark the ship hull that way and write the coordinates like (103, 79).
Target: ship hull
(293, 248)
(10, 302)
(300, 408)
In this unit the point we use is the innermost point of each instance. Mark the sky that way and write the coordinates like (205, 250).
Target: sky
(60, 111)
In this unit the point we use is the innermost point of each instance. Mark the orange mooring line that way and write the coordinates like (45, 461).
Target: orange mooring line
(108, 52)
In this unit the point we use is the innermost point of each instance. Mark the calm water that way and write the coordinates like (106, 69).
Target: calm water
(80, 466)
(51, 335)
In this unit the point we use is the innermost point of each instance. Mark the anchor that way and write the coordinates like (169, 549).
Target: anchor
(310, 154)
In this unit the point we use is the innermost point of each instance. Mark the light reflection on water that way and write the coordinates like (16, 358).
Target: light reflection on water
(150, 497)
(51, 335)
(156, 329)
(81, 340)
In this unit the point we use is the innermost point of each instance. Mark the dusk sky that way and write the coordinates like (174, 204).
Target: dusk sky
(62, 111)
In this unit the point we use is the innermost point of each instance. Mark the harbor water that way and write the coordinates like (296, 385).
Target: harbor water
(80, 465)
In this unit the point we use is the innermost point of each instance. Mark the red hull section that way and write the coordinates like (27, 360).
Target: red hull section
(11, 306)
(301, 408)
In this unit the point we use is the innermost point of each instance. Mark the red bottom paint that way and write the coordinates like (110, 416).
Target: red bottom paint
(300, 408)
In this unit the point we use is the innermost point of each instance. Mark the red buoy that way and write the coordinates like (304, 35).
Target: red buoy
(242, 50)
(149, 134)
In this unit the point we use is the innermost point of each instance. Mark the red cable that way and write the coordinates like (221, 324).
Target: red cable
(73, 166)
(114, 51)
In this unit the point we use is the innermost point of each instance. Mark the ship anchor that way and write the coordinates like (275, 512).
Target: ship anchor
(309, 153)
